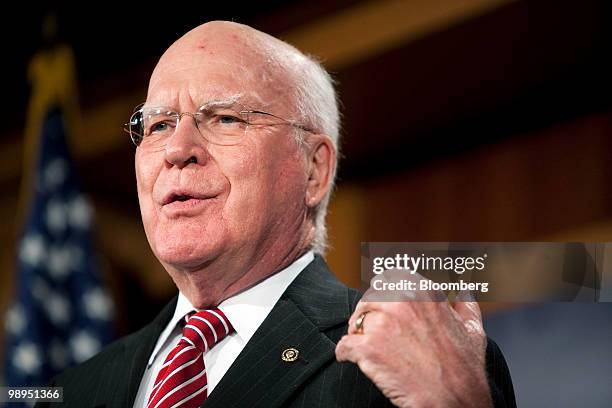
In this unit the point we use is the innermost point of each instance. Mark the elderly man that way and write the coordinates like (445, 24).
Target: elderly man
(235, 160)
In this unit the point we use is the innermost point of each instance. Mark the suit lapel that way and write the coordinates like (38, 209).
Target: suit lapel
(259, 377)
(126, 370)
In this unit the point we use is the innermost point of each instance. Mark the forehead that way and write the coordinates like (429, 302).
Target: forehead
(195, 72)
(197, 87)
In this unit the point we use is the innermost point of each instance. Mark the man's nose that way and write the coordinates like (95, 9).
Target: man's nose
(186, 145)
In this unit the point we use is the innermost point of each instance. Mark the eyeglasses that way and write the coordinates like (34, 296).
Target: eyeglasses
(150, 127)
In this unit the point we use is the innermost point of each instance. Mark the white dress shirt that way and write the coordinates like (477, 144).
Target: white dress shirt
(246, 311)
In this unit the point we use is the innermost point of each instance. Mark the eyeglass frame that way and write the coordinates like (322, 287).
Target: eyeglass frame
(179, 115)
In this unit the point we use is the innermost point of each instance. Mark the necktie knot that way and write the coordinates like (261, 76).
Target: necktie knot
(206, 328)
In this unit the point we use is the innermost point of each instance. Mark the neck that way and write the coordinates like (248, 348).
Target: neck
(227, 276)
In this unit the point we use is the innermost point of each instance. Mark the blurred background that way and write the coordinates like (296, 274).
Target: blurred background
(463, 120)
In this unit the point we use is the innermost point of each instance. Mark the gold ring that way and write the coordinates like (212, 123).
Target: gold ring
(359, 322)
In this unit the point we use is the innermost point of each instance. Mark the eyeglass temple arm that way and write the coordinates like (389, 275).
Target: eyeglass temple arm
(290, 122)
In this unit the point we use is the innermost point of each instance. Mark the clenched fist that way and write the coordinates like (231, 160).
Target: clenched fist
(420, 353)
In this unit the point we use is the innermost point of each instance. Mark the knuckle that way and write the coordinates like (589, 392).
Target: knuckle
(475, 328)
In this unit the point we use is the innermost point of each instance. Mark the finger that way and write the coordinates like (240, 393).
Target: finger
(362, 307)
(433, 295)
(371, 293)
(465, 296)
(466, 307)
(348, 348)
(470, 315)
(352, 328)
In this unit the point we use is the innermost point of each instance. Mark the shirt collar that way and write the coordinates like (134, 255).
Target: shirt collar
(183, 307)
(245, 310)
(248, 309)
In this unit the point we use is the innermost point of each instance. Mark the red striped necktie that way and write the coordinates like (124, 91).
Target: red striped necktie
(181, 381)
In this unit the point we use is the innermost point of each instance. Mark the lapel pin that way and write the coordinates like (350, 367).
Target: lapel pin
(290, 355)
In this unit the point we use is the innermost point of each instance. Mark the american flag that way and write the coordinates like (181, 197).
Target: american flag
(61, 315)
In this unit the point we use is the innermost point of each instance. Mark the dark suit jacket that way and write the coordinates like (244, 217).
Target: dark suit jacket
(311, 317)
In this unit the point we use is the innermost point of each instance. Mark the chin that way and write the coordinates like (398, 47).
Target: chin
(185, 256)
(186, 247)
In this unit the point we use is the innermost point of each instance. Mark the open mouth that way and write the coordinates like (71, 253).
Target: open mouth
(181, 198)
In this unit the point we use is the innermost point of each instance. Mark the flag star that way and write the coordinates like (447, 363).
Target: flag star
(58, 355)
(27, 358)
(83, 346)
(58, 308)
(76, 256)
(15, 320)
(59, 261)
(33, 250)
(56, 216)
(80, 212)
(97, 304)
(55, 173)
(39, 289)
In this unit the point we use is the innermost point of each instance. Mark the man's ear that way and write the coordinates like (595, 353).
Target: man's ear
(321, 164)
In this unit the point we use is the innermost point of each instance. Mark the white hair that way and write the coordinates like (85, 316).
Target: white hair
(317, 107)
(317, 104)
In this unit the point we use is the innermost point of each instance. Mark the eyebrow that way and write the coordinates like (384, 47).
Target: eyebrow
(222, 103)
